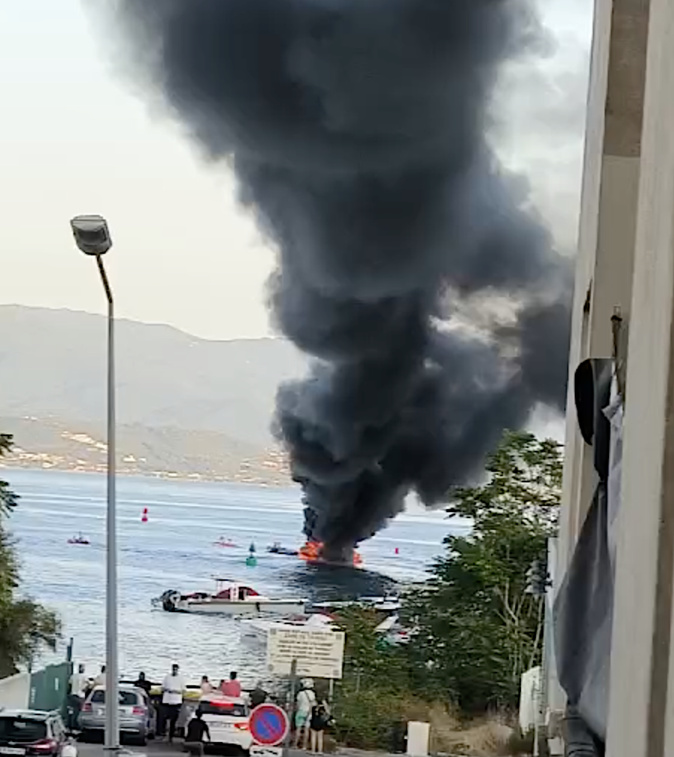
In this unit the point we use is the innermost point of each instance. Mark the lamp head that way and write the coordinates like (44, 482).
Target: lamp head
(91, 234)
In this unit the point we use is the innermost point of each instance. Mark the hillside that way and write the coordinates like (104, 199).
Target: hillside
(52, 364)
(163, 452)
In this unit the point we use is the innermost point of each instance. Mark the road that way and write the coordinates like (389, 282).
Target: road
(162, 749)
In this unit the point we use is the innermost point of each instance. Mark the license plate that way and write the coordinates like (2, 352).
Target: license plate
(12, 750)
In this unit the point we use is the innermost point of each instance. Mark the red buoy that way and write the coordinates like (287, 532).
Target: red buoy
(144, 518)
(397, 551)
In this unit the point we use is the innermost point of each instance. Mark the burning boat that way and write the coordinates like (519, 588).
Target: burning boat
(312, 552)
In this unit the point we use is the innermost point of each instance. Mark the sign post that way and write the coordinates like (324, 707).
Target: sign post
(269, 726)
(293, 694)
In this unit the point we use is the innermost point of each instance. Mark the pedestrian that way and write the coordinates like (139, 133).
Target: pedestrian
(320, 720)
(306, 699)
(78, 690)
(143, 683)
(197, 732)
(101, 677)
(78, 682)
(258, 696)
(206, 686)
(172, 701)
(232, 688)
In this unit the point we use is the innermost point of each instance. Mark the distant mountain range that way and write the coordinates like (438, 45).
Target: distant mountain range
(185, 405)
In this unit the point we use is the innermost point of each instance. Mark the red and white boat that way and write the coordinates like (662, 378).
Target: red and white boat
(230, 598)
(222, 542)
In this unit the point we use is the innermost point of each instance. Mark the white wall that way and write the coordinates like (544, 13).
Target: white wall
(15, 690)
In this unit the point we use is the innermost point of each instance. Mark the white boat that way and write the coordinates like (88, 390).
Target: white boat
(388, 603)
(258, 629)
(229, 598)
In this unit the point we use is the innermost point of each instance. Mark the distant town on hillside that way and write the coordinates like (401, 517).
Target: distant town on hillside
(186, 407)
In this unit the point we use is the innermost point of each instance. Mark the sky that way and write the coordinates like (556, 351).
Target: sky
(76, 139)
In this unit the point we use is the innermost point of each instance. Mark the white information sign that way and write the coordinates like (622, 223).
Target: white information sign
(318, 654)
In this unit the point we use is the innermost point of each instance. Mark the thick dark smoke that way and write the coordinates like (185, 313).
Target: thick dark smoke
(357, 131)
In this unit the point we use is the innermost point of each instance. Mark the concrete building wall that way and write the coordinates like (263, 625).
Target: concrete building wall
(607, 221)
(607, 231)
(641, 718)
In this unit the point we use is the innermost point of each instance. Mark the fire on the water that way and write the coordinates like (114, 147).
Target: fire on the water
(312, 552)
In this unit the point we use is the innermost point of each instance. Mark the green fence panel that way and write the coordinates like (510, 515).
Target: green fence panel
(49, 687)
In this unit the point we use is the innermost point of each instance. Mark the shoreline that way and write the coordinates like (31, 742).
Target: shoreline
(8, 464)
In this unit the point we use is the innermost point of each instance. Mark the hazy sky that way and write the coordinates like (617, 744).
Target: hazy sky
(75, 140)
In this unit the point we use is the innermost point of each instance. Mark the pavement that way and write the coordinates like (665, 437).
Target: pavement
(163, 749)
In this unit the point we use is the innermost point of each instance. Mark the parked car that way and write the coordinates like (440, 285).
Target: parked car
(35, 733)
(227, 721)
(137, 717)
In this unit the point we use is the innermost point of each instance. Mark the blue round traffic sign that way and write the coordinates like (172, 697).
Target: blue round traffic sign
(269, 724)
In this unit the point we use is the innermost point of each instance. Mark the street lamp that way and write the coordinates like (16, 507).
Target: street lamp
(93, 238)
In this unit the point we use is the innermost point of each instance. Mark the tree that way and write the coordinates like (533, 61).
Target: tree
(476, 627)
(8, 500)
(25, 626)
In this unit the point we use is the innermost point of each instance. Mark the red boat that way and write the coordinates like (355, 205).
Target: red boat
(222, 542)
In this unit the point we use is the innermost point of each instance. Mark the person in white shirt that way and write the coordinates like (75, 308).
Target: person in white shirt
(100, 678)
(172, 701)
(78, 682)
(306, 699)
(78, 689)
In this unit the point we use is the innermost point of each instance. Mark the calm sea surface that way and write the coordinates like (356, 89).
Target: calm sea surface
(175, 550)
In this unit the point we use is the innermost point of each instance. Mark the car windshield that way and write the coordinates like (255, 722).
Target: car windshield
(126, 698)
(22, 730)
(231, 709)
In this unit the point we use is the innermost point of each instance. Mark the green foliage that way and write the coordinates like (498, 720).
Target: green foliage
(476, 629)
(371, 719)
(25, 626)
(368, 659)
(372, 700)
(8, 500)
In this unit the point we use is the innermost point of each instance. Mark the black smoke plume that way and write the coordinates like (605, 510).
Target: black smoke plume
(357, 130)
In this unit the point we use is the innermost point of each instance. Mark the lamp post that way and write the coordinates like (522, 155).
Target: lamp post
(93, 238)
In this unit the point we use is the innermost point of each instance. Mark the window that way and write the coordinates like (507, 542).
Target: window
(232, 709)
(126, 698)
(23, 731)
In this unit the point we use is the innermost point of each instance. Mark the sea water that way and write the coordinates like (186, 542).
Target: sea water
(175, 550)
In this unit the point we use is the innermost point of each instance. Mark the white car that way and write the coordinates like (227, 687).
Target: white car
(227, 721)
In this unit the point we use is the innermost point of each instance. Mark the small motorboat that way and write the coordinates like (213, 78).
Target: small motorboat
(386, 604)
(79, 539)
(277, 549)
(229, 598)
(222, 542)
(258, 629)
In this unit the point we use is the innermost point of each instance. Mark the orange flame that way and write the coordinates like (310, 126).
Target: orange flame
(311, 552)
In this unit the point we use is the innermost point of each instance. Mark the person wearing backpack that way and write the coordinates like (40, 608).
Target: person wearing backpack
(304, 705)
(320, 720)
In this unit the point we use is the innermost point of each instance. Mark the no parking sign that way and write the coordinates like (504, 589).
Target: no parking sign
(269, 726)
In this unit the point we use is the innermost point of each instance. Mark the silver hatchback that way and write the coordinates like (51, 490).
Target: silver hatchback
(137, 717)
